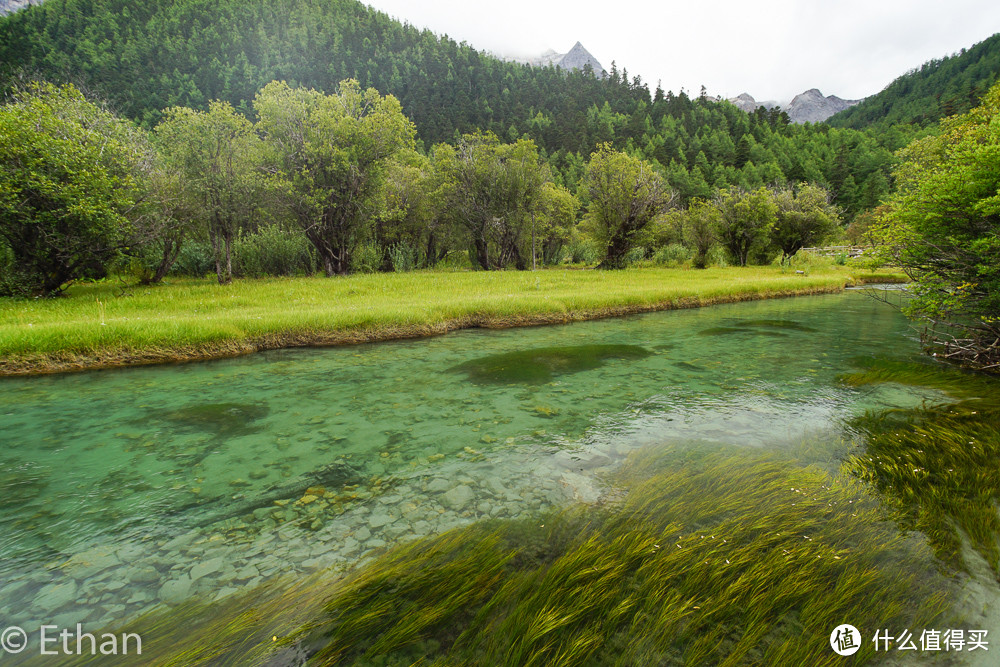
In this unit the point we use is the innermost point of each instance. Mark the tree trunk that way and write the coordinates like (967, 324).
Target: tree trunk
(171, 250)
(342, 261)
(482, 254)
(431, 257)
(228, 238)
(617, 249)
(217, 256)
(533, 265)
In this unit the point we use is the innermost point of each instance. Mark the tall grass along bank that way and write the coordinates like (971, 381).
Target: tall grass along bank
(106, 324)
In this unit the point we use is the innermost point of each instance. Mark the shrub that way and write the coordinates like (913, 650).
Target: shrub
(403, 257)
(671, 255)
(195, 260)
(366, 258)
(717, 257)
(271, 251)
(803, 260)
(582, 251)
(634, 256)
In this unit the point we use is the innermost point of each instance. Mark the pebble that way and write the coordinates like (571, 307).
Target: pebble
(88, 563)
(56, 596)
(458, 498)
(314, 534)
(143, 575)
(175, 591)
(438, 485)
(206, 568)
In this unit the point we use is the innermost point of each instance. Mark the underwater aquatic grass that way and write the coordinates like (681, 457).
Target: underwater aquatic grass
(732, 557)
(539, 365)
(935, 466)
(728, 556)
(98, 325)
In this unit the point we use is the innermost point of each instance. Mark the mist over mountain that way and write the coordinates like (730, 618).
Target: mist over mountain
(938, 88)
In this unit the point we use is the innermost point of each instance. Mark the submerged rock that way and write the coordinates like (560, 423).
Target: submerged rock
(206, 568)
(218, 419)
(88, 563)
(458, 498)
(56, 596)
(175, 591)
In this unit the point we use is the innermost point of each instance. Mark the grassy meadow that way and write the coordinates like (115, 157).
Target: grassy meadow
(112, 324)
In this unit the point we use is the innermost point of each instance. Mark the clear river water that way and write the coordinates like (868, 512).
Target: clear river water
(126, 490)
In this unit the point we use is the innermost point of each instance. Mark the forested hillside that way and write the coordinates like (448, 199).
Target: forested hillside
(940, 88)
(147, 56)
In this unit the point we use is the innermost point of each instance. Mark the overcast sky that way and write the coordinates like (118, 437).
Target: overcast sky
(772, 49)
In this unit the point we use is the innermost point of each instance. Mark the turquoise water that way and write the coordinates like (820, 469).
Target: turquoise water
(124, 490)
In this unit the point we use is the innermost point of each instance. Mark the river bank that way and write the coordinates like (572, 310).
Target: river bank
(104, 325)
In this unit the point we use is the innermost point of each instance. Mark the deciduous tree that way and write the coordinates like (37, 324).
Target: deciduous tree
(805, 217)
(744, 220)
(217, 157)
(70, 176)
(330, 152)
(494, 189)
(625, 194)
(943, 227)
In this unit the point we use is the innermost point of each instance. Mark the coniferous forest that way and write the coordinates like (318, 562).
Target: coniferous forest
(146, 57)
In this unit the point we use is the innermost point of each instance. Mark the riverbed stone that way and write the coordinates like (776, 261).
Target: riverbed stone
(69, 619)
(362, 534)
(350, 546)
(379, 519)
(438, 485)
(175, 591)
(269, 565)
(56, 596)
(139, 596)
(395, 530)
(144, 574)
(88, 563)
(225, 591)
(112, 586)
(495, 486)
(179, 542)
(458, 498)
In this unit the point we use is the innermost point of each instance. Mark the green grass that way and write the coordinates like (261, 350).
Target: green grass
(103, 324)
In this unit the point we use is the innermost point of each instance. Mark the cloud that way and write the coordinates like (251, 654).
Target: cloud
(773, 49)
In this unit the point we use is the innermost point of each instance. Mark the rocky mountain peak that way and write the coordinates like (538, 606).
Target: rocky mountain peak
(9, 6)
(745, 102)
(812, 107)
(807, 107)
(576, 58)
